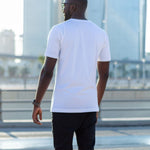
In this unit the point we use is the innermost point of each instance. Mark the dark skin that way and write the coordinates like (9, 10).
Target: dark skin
(44, 81)
(70, 11)
(103, 71)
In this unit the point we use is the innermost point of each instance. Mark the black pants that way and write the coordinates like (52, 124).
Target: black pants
(66, 124)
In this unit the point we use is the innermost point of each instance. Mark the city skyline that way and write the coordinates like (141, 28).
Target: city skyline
(13, 19)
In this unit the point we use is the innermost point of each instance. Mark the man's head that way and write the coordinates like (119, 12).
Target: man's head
(74, 7)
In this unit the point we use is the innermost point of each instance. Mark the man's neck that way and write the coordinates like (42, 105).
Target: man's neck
(82, 17)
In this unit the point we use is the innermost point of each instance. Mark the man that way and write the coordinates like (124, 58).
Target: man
(80, 47)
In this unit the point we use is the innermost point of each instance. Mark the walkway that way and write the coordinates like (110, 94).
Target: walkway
(110, 138)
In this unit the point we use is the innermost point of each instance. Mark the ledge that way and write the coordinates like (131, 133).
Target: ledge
(112, 122)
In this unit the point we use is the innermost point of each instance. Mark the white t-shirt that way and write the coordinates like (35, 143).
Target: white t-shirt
(78, 45)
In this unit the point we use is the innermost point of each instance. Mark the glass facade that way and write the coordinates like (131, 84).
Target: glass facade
(123, 29)
(124, 22)
(121, 19)
(39, 16)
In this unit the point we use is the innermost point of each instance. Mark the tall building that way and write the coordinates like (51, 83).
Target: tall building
(126, 28)
(7, 42)
(39, 17)
(96, 12)
(36, 26)
(123, 20)
(148, 56)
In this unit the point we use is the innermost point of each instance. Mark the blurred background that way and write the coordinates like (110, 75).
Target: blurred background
(24, 27)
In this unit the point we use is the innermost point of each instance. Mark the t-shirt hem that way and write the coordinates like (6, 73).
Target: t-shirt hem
(108, 60)
(74, 110)
(51, 56)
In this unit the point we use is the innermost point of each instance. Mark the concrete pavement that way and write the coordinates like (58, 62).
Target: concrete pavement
(110, 138)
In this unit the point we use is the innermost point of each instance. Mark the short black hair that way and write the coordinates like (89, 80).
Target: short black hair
(82, 3)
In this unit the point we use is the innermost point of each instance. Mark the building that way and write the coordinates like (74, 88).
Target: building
(7, 42)
(40, 16)
(125, 27)
(96, 12)
(38, 19)
(148, 56)
(36, 26)
(123, 20)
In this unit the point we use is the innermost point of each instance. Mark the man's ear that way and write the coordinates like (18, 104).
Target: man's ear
(73, 8)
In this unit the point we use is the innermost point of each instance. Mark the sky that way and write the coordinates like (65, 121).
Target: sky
(11, 17)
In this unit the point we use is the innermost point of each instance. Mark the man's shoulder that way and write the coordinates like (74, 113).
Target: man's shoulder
(93, 26)
(97, 28)
(58, 26)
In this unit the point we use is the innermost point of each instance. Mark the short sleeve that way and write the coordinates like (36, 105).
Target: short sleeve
(53, 44)
(104, 53)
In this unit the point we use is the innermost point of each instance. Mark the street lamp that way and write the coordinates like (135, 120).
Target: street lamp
(137, 71)
(129, 82)
(143, 62)
(105, 15)
(115, 69)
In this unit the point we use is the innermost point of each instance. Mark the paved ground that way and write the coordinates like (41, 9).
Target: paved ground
(110, 138)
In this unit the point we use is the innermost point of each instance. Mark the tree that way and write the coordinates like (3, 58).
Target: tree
(133, 73)
(12, 70)
(41, 59)
(25, 72)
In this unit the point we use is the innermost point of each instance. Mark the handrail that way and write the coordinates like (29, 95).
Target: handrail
(47, 101)
(22, 110)
(21, 101)
(104, 109)
(0, 105)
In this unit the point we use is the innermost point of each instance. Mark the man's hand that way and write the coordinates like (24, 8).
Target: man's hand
(37, 111)
(44, 81)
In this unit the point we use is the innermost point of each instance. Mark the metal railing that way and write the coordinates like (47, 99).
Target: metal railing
(0, 105)
(24, 75)
(112, 107)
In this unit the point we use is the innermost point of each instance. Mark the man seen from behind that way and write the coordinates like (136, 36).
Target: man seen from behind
(79, 47)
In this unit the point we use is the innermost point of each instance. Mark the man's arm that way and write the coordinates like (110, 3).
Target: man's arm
(44, 81)
(103, 70)
(45, 78)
